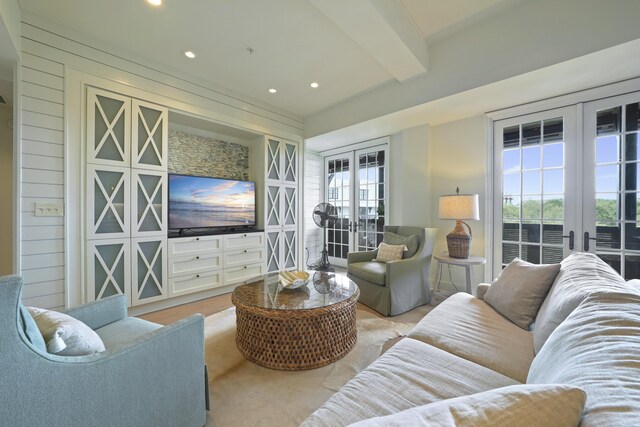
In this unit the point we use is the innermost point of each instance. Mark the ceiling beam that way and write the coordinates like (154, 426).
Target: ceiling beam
(384, 30)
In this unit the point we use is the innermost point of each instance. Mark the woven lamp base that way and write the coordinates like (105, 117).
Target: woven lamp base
(459, 246)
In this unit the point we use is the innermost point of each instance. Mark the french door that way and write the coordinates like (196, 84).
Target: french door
(356, 184)
(567, 180)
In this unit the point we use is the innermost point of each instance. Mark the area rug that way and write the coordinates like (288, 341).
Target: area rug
(245, 394)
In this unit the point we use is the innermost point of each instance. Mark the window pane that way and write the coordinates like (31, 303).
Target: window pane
(553, 207)
(553, 155)
(553, 181)
(531, 182)
(531, 133)
(531, 253)
(531, 207)
(612, 260)
(511, 136)
(552, 233)
(608, 236)
(530, 232)
(511, 231)
(511, 183)
(553, 130)
(531, 157)
(608, 121)
(509, 252)
(631, 147)
(631, 206)
(632, 267)
(632, 236)
(633, 117)
(607, 179)
(631, 178)
(607, 208)
(607, 149)
(511, 207)
(511, 160)
(551, 255)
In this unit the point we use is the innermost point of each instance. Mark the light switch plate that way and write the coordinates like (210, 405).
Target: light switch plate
(49, 209)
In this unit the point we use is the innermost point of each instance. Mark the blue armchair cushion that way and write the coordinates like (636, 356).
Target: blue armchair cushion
(30, 329)
(125, 331)
(411, 242)
(372, 271)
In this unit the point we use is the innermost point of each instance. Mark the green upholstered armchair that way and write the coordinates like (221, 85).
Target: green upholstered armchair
(149, 375)
(398, 286)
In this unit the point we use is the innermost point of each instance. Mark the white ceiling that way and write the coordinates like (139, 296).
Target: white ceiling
(293, 41)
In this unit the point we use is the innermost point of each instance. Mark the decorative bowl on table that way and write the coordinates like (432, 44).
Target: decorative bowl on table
(293, 279)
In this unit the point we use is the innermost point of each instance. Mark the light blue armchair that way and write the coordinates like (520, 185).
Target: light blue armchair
(149, 375)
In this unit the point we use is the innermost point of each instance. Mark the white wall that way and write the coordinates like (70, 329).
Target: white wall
(6, 190)
(458, 158)
(409, 181)
(52, 253)
(312, 194)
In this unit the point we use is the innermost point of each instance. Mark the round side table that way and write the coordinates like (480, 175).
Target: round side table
(467, 263)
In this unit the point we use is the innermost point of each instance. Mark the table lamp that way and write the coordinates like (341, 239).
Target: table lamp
(459, 207)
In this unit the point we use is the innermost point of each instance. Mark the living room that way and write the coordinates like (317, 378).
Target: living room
(116, 102)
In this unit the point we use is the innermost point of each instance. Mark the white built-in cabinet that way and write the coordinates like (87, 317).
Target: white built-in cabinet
(126, 193)
(281, 203)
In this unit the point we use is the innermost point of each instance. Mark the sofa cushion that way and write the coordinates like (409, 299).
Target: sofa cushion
(65, 335)
(470, 328)
(411, 242)
(125, 331)
(410, 374)
(373, 272)
(549, 405)
(580, 275)
(388, 253)
(597, 348)
(519, 290)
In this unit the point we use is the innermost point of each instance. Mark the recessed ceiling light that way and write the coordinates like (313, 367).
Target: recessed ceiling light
(189, 54)
(154, 2)
(314, 84)
(272, 90)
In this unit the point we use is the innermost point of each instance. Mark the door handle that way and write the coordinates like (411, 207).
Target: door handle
(586, 241)
(350, 226)
(571, 238)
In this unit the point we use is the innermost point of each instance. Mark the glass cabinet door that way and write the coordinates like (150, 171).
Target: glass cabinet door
(149, 136)
(108, 128)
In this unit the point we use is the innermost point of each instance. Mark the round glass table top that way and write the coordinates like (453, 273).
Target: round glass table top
(323, 289)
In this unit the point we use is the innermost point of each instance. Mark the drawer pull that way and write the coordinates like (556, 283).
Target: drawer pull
(197, 257)
(197, 238)
(245, 235)
(197, 276)
(245, 266)
(245, 251)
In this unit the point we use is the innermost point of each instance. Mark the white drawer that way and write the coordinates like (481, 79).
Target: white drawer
(243, 273)
(194, 245)
(243, 241)
(194, 283)
(241, 257)
(191, 264)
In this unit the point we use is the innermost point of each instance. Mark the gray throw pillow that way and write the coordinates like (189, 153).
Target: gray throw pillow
(411, 242)
(520, 289)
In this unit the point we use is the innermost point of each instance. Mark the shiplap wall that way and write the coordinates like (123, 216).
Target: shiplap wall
(42, 180)
(312, 196)
(53, 58)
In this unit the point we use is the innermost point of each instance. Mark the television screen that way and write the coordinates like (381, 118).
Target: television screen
(202, 202)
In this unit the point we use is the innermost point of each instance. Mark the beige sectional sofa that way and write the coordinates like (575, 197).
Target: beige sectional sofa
(586, 334)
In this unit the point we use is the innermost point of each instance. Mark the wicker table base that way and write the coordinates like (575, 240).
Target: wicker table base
(295, 339)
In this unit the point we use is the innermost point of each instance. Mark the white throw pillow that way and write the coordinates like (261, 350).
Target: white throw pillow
(520, 289)
(65, 335)
(387, 253)
(549, 405)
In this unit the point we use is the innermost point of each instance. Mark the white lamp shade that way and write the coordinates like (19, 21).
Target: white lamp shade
(459, 206)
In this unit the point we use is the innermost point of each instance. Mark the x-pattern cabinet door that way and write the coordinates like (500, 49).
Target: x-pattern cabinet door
(148, 203)
(149, 270)
(108, 264)
(149, 136)
(107, 202)
(108, 128)
(274, 253)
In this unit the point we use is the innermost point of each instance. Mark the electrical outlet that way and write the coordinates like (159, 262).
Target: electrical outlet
(49, 209)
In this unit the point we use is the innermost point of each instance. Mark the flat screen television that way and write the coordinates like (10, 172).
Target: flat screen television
(204, 202)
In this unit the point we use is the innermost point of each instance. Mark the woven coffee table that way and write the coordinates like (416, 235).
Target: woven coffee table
(297, 329)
